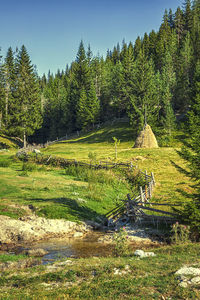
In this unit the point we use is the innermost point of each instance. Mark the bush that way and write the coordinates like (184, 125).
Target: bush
(180, 233)
(22, 155)
(5, 163)
(120, 240)
(28, 167)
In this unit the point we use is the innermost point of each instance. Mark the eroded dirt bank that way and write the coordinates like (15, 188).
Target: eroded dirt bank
(32, 228)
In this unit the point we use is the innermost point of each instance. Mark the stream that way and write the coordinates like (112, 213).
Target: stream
(71, 247)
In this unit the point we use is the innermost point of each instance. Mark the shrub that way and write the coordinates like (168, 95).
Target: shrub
(180, 233)
(120, 240)
(22, 155)
(5, 163)
(28, 167)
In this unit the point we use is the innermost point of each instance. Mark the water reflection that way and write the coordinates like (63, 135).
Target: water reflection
(73, 247)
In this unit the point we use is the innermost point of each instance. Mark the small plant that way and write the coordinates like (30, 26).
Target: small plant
(5, 163)
(120, 240)
(28, 167)
(22, 155)
(116, 143)
(180, 233)
(93, 157)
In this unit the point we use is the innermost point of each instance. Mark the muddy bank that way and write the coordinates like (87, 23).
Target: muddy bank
(32, 228)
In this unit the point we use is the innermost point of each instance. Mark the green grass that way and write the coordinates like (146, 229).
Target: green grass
(7, 143)
(73, 194)
(11, 257)
(78, 194)
(94, 278)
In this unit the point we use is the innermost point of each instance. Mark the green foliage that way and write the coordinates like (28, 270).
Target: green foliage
(149, 81)
(191, 154)
(5, 163)
(11, 257)
(180, 233)
(92, 157)
(116, 143)
(28, 167)
(120, 240)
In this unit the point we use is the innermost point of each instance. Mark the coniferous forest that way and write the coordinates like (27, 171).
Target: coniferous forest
(155, 79)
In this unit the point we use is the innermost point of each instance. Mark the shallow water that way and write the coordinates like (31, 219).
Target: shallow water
(72, 247)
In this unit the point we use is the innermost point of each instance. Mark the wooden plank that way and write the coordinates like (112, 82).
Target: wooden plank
(141, 195)
(157, 210)
(164, 204)
(113, 211)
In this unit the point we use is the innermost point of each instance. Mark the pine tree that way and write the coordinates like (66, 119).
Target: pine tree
(27, 117)
(171, 19)
(146, 44)
(168, 81)
(188, 17)
(191, 154)
(2, 95)
(93, 106)
(10, 87)
(80, 83)
(163, 40)
(145, 93)
(184, 75)
(82, 110)
(179, 24)
(137, 46)
(195, 32)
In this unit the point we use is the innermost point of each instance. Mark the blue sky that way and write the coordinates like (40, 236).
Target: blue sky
(52, 30)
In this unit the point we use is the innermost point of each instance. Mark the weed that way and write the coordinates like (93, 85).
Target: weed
(180, 233)
(28, 167)
(120, 240)
(5, 163)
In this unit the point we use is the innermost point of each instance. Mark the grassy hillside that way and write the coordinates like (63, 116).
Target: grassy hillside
(58, 193)
(8, 143)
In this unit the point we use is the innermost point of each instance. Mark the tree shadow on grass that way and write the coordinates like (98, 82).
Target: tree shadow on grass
(124, 134)
(67, 208)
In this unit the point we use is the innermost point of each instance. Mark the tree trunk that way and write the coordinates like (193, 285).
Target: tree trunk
(24, 138)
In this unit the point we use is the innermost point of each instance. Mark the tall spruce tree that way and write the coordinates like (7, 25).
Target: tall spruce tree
(10, 87)
(191, 154)
(27, 117)
(183, 87)
(145, 92)
(168, 81)
(2, 94)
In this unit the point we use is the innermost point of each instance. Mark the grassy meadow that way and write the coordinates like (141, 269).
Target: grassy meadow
(77, 194)
(97, 278)
(87, 194)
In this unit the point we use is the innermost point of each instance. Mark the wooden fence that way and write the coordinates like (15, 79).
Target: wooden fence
(63, 162)
(136, 209)
(131, 208)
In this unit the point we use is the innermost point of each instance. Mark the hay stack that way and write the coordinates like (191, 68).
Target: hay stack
(146, 139)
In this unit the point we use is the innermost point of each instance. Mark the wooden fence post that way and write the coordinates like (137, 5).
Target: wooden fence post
(150, 190)
(146, 182)
(141, 194)
(153, 179)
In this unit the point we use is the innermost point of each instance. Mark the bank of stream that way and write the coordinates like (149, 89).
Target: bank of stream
(94, 244)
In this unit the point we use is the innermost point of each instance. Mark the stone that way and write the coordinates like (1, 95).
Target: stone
(195, 280)
(183, 284)
(188, 271)
(142, 254)
(78, 234)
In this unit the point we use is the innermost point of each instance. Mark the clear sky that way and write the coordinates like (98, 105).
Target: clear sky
(52, 30)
